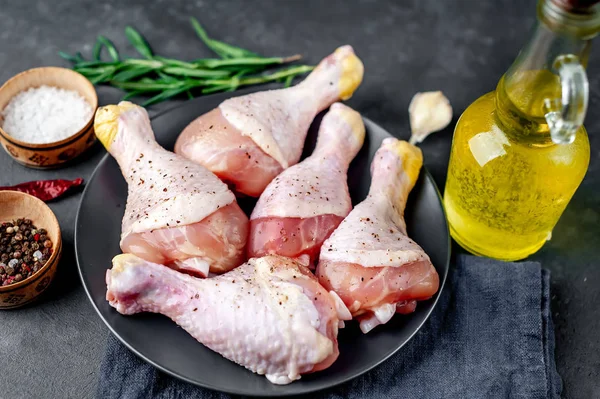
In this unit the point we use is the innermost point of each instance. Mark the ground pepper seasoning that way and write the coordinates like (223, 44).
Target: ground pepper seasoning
(24, 249)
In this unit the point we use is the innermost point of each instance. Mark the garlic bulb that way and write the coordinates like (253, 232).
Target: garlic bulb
(429, 112)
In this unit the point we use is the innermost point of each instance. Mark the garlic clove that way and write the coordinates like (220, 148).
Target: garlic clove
(429, 112)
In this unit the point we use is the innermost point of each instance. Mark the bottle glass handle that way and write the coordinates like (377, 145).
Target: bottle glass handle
(565, 115)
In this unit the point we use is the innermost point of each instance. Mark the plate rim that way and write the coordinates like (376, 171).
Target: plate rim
(424, 172)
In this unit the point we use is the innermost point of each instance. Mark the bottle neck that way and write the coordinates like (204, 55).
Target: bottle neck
(533, 82)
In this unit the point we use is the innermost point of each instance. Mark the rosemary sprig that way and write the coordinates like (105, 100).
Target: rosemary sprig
(163, 78)
(224, 50)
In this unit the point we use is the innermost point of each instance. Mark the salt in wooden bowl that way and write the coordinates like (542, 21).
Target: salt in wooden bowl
(16, 205)
(48, 155)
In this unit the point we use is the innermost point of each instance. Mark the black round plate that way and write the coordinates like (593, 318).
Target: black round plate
(162, 343)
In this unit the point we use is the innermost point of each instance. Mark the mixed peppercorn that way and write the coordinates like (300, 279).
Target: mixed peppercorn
(24, 249)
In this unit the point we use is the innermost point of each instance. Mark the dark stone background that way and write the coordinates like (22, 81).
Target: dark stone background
(53, 348)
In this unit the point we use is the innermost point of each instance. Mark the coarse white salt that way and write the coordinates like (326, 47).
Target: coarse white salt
(45, 114)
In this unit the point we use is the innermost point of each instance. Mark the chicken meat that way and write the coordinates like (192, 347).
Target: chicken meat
(248, 140)
(369, 261)
(302, 206)
(269, 315)
(178, 213)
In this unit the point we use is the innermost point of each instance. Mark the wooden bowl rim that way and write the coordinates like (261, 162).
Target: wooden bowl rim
(68, 140)
(56, 247)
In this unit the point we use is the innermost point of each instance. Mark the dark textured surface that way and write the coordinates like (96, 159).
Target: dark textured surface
(53, 348)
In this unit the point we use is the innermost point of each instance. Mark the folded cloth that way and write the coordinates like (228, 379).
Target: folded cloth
(490, 336)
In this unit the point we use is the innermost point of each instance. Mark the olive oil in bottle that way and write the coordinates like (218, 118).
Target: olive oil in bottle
(520, 152)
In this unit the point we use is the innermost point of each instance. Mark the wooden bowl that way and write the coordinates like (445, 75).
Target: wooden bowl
(17, 205)
(43, 156)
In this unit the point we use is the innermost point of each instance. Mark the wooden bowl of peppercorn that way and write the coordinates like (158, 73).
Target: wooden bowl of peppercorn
(30, 248)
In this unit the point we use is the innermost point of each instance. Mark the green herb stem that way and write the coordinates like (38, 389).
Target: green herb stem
(246, 61)
(196, 73)
(138, 41)
(222, 49)
(286, 73)
(163, 78)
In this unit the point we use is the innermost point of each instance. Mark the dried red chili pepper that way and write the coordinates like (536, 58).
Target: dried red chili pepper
(45, 190)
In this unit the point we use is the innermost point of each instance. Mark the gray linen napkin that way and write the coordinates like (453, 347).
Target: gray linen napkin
(490, 336)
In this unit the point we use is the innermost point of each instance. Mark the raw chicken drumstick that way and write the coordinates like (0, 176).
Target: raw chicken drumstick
(302, 206)
(178, 213)
(248, 140)
(269, 315)
(368, 260)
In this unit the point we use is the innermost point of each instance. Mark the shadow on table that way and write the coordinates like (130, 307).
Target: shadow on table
(67, 278)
